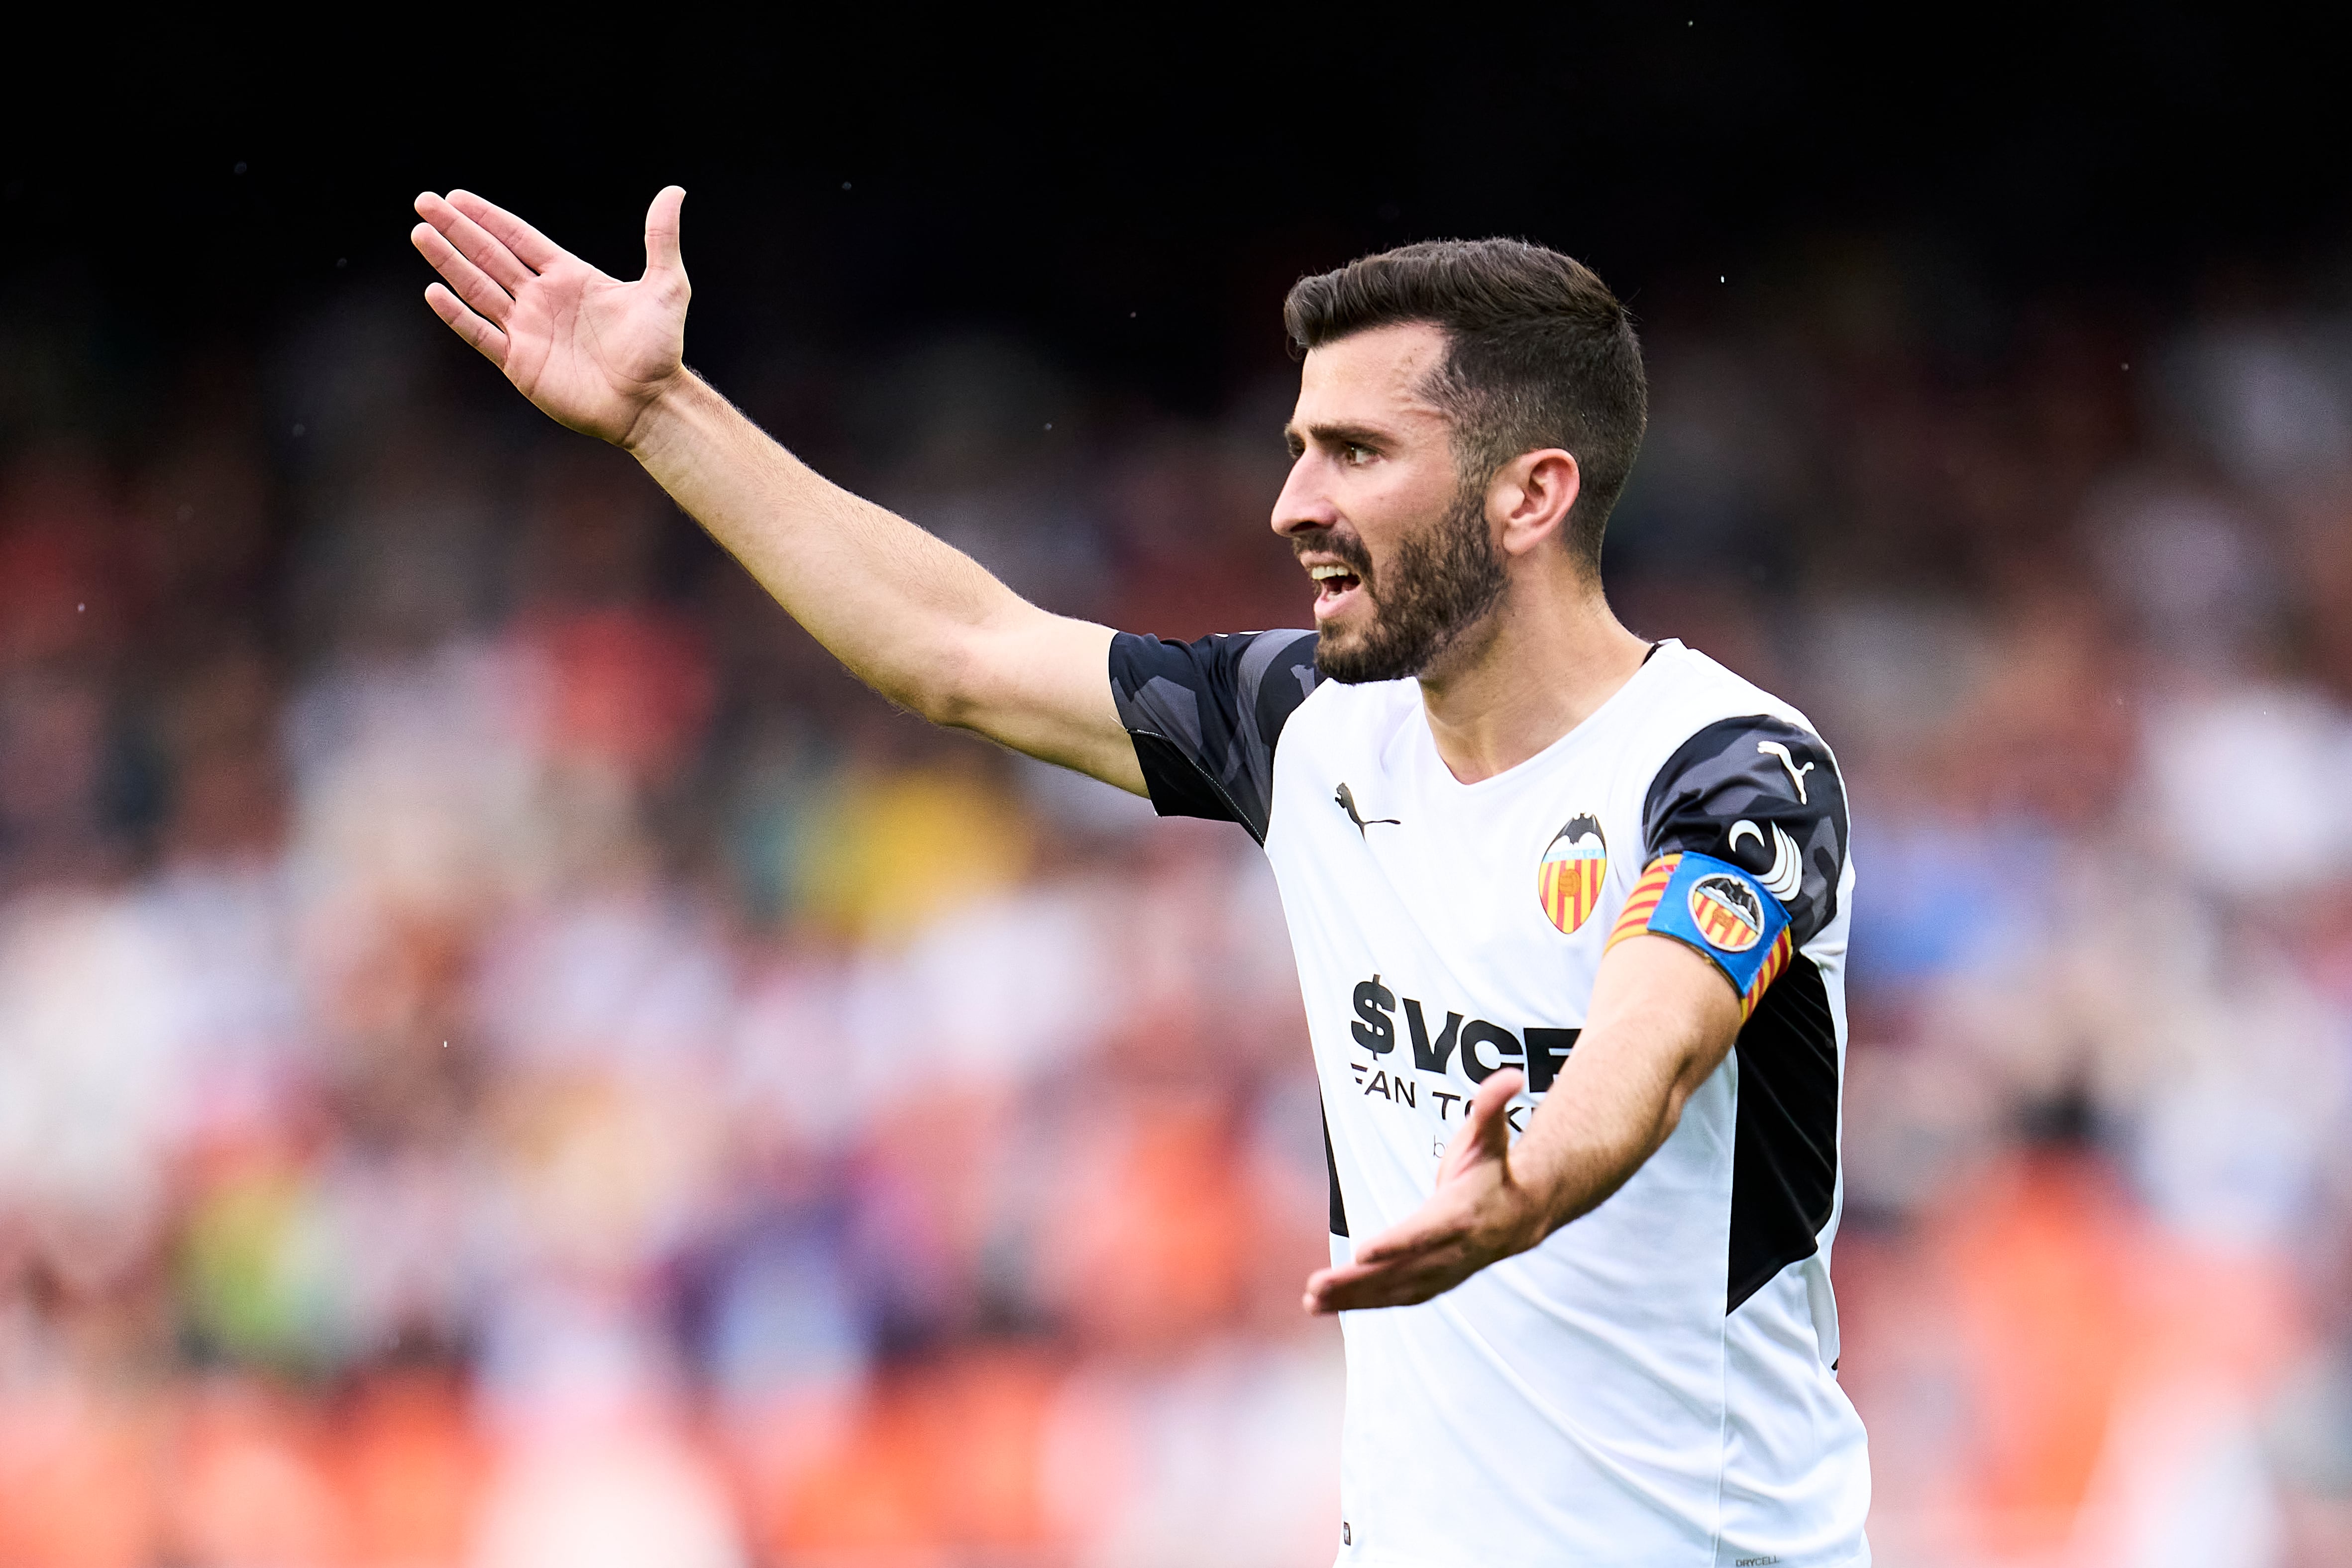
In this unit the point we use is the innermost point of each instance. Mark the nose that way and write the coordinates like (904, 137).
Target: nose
(1304, 504)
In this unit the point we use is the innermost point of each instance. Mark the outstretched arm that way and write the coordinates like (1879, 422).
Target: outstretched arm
(921, 622)
(1662, 1020)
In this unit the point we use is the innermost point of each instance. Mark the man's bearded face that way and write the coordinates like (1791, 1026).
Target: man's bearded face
(1443, 579)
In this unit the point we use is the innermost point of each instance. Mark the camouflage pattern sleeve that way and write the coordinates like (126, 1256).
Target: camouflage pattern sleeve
(1745, 831)
(1204, 718)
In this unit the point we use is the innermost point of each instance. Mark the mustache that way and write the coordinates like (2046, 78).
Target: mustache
(1344, 544)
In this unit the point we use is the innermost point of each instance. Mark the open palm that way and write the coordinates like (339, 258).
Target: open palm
(589, 350)
(1478, 1211)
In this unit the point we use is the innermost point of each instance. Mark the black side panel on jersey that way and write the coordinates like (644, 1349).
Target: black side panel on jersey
(1204, 716)
(1764, 795)
(1331, 1165)
(1784, 1144)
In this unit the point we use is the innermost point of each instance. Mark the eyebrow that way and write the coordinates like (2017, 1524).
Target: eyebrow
(1342, 434)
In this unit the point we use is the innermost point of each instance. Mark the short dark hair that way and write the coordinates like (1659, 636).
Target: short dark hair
(1539, 354)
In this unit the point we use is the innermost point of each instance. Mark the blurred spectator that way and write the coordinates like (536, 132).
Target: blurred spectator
(506, 1058)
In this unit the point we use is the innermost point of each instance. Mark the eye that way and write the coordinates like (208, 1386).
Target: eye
(1357, 454)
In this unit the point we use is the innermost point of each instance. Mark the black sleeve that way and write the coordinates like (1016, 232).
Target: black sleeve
(1204, 716)
(1766, 796)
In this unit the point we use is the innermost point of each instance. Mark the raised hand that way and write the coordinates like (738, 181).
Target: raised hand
(1480, 1212)
(589, 350)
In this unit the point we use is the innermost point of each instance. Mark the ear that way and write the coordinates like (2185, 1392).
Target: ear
(1531, 496)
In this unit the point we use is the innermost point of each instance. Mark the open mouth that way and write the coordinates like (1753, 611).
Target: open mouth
(1335, 586)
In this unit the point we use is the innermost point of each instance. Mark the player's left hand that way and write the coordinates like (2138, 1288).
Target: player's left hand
(1480, 1212)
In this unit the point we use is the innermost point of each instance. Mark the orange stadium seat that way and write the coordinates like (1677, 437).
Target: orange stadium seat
(411, 1471)
(251, 1481)
(79, 1479)
(936, 1462)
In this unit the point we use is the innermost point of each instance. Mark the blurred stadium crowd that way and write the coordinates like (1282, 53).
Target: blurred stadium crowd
(508, 1058)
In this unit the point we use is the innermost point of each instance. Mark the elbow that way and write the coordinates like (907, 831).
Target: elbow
(942, 690)
(946, 709)
(1687, 1081)
(1670, 1115)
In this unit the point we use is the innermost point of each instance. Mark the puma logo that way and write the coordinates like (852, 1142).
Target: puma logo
(1345, 798)
(1796, 774)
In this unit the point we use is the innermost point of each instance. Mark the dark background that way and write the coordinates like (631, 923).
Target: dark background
(852, 186)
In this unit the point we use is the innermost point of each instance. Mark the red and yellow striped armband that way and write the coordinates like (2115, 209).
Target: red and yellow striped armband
(1718, 909)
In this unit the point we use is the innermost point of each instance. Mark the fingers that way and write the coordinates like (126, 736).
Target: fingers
(486, 298)
(1486, 1133)
(477, 245)
(1328, 1291)
(662, 258)
(535, 249)
(1415, 1259)
(1408, 1269)
(1493, 1097)
(1473, 1218)
(1336, 1289)
(466, 325)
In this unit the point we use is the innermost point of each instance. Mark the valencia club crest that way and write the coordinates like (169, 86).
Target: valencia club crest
(1574, 866)
(1727, 913)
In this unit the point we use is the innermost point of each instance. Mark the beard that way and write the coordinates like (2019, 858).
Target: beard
(1443, 580)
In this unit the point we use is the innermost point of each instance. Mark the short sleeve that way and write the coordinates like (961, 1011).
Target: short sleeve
(1745, 843)
(1205, 715)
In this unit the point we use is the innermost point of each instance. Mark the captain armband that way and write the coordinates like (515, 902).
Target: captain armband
(1718, 909)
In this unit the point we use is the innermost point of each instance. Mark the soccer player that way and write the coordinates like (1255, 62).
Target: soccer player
(1569, 907)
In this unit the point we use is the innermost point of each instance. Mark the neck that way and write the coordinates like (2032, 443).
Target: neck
(1550, 654)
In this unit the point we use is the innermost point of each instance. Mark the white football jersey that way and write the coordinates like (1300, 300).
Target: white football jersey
(1656, 1382)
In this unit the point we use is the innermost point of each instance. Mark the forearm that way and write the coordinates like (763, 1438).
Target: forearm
(895, 605)
(1662, 1020)
(1580, 1148)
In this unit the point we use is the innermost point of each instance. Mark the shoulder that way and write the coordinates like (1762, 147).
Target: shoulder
(1744, 779)
(1698, 714)
(1206, 715)
(1206, 693)
(1694, 690)
(1222, 662)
